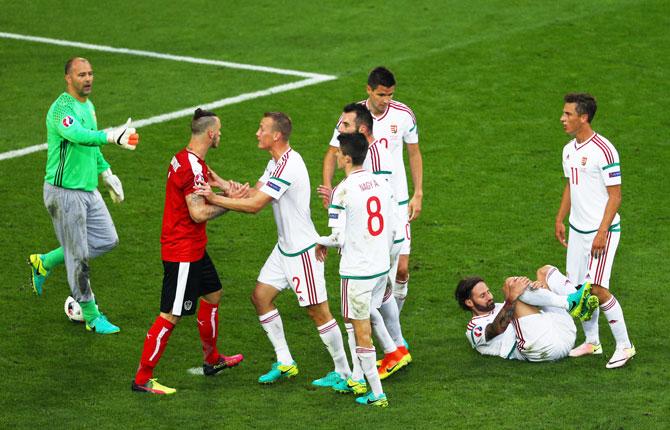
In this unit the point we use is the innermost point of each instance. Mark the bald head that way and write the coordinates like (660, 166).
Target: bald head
(71, 61)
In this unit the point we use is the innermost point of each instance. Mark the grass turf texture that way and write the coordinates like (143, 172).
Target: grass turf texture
(486, 81)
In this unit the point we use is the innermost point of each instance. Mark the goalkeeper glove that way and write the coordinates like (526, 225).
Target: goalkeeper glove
(113, 184)
(124, 136)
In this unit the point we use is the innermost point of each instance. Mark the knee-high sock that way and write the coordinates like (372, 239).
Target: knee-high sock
(400, 293)
(391, 316)
(367, 358)
(381, 333)
(357, 371)
(591, 329)
(208, 326)
(614, 314)
(154, 345)
(332, 337)
(272, 324)
(542, 297)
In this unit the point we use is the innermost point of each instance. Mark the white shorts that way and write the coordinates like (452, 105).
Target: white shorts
(303, 273)
(582, 267)
(405, 246)
(547, 336)
(361, 295)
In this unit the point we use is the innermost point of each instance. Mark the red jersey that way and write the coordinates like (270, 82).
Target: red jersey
(182, 239)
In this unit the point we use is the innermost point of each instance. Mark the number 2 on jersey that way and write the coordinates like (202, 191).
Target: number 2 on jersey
(375, 214)
(296, 282)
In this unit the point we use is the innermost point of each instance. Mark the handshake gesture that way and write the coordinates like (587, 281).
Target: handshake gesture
(124, 136)
(229, 188)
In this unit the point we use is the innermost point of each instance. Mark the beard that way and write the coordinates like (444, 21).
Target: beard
(487, 308)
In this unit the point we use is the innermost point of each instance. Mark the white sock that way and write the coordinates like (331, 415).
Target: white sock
(357, 370)
(391, 316)
(367, 358)
(542, 297)
(591, 329)
(332, 337)
(379, 329)
(271, 323)
(560, 288)
(400, 293)
(614, 314)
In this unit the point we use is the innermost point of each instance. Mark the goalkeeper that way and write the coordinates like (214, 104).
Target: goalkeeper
(81, 220)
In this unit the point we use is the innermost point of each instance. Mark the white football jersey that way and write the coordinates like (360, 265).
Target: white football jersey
(395, 126)
(378, 161)
(362, 206)
(590, 167)
(503, 345)
(287, 182)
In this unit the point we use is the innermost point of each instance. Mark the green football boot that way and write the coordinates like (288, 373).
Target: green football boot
(578, 299)
(331, 379)
(279, 371)
(372, 400)
(38, 273)
(351, 386)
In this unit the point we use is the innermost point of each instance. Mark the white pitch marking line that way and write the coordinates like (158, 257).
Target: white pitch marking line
(195, 371)
(180, 58)
(311, 79)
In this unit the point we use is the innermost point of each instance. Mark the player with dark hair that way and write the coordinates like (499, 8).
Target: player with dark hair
(534, 323)
(356, 118)
(80, 218)
(395, 127)
(381, 76)
(584, 104)
(189, 273)
(292, 263)
(363, 219)
(592, 196)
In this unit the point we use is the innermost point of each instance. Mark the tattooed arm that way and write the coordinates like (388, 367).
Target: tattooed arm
(200, 211)
(501, 321)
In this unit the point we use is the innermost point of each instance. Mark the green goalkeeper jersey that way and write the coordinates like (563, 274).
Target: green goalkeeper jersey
(74, 158)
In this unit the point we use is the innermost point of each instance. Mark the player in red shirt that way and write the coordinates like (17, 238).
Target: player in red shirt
(188, 271)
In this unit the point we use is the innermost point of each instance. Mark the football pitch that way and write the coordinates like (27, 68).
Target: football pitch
(486, 81)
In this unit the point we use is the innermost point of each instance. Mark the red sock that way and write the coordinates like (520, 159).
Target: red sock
(208, 325)
(154, 345)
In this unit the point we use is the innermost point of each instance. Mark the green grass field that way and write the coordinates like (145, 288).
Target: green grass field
(485, 80)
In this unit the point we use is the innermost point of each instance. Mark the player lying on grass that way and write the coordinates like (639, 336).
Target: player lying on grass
(534, 323)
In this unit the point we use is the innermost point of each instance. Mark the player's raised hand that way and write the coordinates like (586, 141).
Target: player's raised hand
(325, 193)
(414, 208)
(124, 136)
(559, 232)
